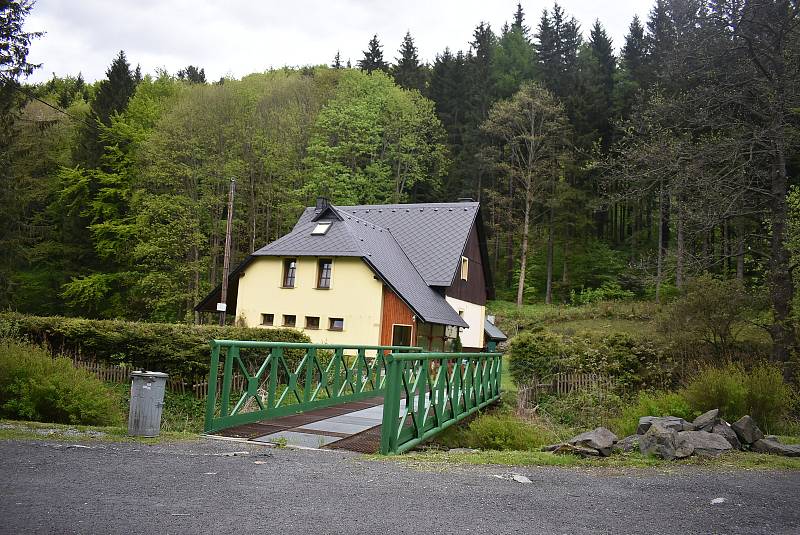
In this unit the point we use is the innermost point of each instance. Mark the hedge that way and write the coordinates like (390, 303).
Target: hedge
(177, 349)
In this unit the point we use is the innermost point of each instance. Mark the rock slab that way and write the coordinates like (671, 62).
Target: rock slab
(704, 443)
(724, 429)
(668, 422)
(707, 420)
(627, 444)
(600, 439)
(747, 430)
(766, 445)
(663, 442)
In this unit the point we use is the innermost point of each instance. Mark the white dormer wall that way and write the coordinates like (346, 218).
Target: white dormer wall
(474, 315)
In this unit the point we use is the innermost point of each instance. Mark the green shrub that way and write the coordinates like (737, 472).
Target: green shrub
(609, 291)
(35, 386)
(769, 398)
(534, 354)
(723, 388)
(177, 349)
(651, 404)
(506, 432)
(582, 409)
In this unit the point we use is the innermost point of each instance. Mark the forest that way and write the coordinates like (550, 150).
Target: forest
(603, 169)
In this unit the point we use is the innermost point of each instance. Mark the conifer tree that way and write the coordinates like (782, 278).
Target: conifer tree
(408, 72)
(373, 57)
(634, 53)
(514, 60)
(337, 61)
(519, 21)
(193, 75)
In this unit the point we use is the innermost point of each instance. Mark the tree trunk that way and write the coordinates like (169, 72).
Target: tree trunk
(660, 259)
(523, 263)
(740, 255)
(548, 297)
(680, 248)
(779, 278)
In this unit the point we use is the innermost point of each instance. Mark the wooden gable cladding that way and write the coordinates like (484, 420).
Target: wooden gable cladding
(394, 312)
(472, 290)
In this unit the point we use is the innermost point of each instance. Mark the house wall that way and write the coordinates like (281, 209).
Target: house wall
(395, 311)
(473, 289)
(355, 295)
(474, 315)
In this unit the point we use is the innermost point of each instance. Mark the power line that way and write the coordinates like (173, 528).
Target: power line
(15, 85)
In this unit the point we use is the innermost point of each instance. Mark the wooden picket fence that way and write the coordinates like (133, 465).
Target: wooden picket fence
(122, 375)
(560, 384)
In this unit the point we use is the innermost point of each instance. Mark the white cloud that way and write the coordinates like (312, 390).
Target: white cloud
(238, 37)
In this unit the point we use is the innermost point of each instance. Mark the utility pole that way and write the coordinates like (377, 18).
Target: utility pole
(222, 306)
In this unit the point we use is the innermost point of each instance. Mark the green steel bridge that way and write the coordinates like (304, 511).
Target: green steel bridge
(385, 399)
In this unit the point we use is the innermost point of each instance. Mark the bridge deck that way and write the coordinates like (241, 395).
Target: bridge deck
(353, 426)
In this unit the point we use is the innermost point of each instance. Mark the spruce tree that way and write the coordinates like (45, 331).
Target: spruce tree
(408, 72)
(519, 21)
(514, 60)
(193, 75)
(634, 53)
(337, 61)
(373, 57)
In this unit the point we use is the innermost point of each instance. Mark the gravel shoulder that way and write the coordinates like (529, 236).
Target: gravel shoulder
(211, 486)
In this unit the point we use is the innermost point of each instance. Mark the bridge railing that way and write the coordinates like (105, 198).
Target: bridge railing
(428, 392)
(262, 380)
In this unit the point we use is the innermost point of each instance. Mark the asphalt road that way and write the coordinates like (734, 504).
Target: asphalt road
(50, 487)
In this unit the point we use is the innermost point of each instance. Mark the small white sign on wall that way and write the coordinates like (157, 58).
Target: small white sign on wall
(222, 307)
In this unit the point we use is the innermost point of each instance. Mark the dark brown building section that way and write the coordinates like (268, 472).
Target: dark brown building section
(394, 312)
(472, 290)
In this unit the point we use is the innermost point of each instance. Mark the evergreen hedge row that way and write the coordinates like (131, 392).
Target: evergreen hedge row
(178, 349)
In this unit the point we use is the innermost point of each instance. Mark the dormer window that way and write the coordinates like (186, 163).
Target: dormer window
(321, 229)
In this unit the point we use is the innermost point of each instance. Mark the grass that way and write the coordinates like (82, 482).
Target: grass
(22, 430)
(732, 460)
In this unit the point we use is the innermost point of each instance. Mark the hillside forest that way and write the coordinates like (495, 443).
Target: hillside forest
(603, 169)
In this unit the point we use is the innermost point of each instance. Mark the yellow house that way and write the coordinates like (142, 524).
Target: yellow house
(402, 274)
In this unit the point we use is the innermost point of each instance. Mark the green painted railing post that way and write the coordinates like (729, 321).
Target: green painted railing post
(311, 358)
(275, 356)
(211, 399)
(338, 355)
(360, 358)
(227, 379)
(391, 406)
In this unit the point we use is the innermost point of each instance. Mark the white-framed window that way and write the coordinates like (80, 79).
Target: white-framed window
(321, 229)
(464, 268)
(335, 324)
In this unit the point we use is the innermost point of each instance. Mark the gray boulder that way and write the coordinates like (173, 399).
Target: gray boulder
(668, 422)
(704, 443)
(766, 445)
(707, 420)
(747, 430)
(725, 430)
(659, 441)
(627, 444)
(600, 439)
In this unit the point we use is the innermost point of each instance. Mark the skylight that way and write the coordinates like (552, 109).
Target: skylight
(321, 229)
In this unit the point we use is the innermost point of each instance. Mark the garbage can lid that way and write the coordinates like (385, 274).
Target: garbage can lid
(149, 374)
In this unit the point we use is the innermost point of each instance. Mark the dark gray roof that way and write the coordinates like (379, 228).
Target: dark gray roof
(350, 235)
(493, 332)
(432, 235)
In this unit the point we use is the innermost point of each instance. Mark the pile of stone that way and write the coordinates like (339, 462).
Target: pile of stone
(670, 437)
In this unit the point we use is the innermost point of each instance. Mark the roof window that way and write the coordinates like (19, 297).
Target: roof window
(321, 229)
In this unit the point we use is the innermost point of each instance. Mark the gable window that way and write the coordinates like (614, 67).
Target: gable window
(401, 335)
(289, 272)
(335, 324)
(321, 229)
(312, 322)
(289, 320)
(464, 268)
(267, 319)
(324, 273)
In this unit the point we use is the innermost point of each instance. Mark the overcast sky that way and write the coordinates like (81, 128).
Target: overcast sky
(238, 37)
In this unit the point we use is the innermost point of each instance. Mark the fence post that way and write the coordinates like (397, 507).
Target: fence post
(227, 378)
(211, 398)
(391, 406)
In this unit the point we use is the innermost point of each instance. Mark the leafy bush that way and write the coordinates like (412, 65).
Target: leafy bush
(176, 349)
(534, 354)
(582, 409)
(35, 386)
(498, 432)
(723, 388)
(609, 291)
(651, 404)
(711, 310)
(769, 398)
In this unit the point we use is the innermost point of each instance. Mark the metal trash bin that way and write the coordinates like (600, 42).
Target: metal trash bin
(147, 401)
